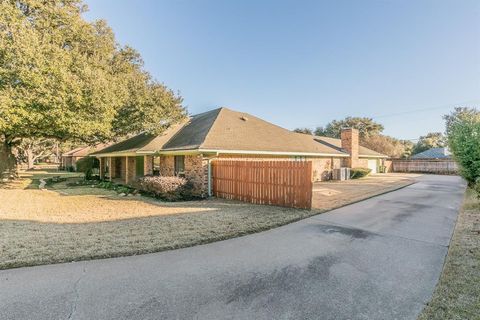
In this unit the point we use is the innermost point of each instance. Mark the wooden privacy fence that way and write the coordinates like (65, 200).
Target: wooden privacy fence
(425, 166)
(281, 183)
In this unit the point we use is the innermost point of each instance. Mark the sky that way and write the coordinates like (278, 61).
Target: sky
(305, 63)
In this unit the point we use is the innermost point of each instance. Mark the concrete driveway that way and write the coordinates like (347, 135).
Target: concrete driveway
(377, 259)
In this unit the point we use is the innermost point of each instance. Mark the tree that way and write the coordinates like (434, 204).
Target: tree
(303, 130)
(31, 150)
(365, 126)
(389, 146)
(463, 136)
(320, 131)
(431, 140)
(65, 78)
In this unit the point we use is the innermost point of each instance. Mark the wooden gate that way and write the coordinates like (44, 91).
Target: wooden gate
(284, 183)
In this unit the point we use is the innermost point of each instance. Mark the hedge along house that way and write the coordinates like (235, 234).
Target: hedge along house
(187, 148)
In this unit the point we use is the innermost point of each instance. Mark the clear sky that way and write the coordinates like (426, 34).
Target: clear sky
(304, 63)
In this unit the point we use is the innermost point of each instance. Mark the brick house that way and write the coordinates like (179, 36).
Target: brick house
(187, 148)
(69, 159)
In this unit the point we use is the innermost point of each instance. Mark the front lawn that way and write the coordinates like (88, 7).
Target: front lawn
(457, 295)
(80, 223)
(65, 223)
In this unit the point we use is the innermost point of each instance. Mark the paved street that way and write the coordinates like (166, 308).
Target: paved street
(376, 259)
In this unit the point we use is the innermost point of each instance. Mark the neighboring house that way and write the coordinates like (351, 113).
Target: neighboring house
(187, 148)
(69, 159)
(433, 153)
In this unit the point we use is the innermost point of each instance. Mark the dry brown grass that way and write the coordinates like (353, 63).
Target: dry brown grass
(79, 223)
(104, 205)
(457, 295)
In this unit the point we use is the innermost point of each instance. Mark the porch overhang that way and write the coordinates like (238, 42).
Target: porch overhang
(115, 154)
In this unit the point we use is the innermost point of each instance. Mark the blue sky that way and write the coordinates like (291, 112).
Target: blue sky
(305, 63)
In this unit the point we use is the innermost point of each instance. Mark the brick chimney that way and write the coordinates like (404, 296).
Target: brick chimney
(350, 144)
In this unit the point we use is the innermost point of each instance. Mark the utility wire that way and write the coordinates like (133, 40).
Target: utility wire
(415, 111)
(425, 109)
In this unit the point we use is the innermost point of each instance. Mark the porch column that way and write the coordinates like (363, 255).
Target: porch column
(102, 168)
(110, 170)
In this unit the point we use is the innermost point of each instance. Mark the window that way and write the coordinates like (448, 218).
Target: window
(179, 165)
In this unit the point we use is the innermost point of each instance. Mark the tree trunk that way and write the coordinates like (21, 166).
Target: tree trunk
(30, 159)
(8, 168)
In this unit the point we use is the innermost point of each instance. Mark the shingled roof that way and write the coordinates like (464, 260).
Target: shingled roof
(224, 130)
(85, 151)
(433, 153)
(337, 143)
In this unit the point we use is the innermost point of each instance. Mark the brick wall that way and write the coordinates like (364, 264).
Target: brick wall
(167, 166)
(131, 169)
(196, 170)
(361, 163)
(148, 165)
(321, 167)
(112, 163)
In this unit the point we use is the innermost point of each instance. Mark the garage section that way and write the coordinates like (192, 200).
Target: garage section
(373, 165)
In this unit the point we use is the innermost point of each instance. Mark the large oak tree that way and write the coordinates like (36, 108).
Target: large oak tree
(66, 78)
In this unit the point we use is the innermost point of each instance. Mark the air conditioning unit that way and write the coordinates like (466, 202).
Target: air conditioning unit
(341, 174)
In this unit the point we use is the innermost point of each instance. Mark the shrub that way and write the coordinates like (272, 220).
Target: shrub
(477, 188)
(81, 183)
(53, 180)
(463, 133)
(356, 173)
(166, 188)
(87, 165)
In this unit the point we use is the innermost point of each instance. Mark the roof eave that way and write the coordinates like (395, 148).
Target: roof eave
(114, 154)
(372, 156)
(289, 153)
